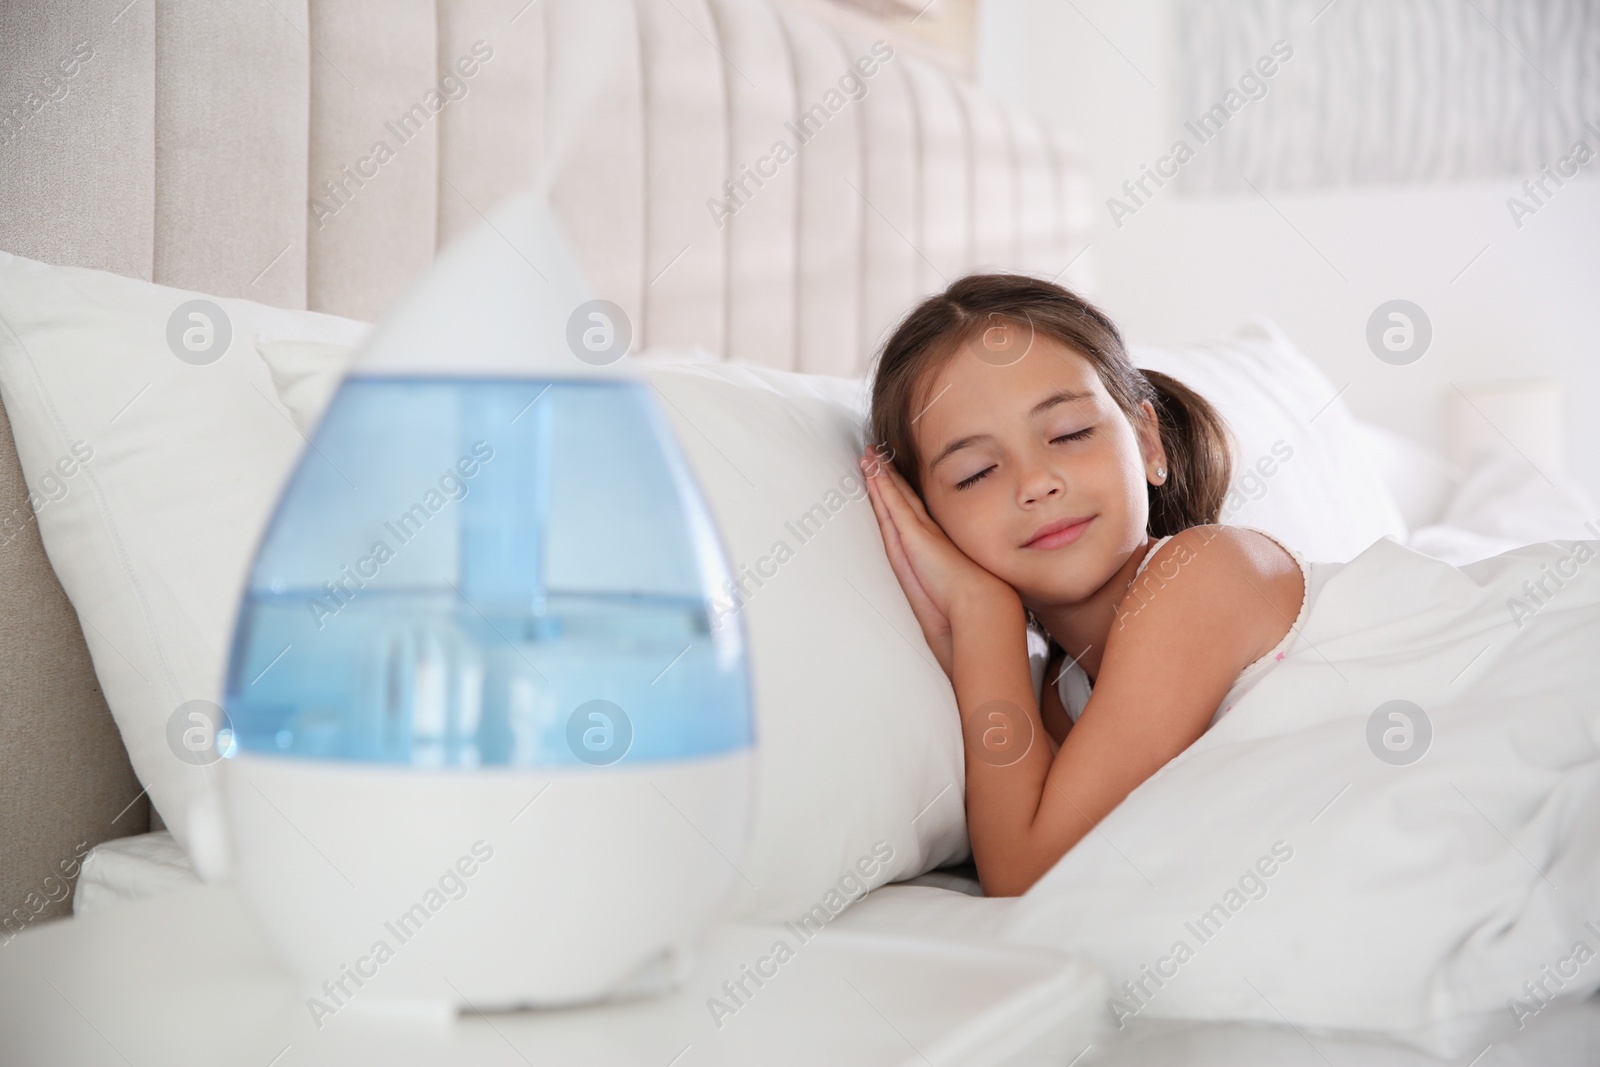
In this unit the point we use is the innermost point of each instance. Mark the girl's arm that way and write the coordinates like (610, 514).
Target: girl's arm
(1055, 718)
(1165, 669)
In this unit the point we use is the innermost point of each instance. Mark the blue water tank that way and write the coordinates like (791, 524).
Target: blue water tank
(470, 571)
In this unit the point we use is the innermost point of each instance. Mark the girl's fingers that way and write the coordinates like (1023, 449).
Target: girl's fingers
(882, 466)
(918, 545)
(888, 530)
(886, 526)
(900, 560)
(894, 499)
(892, 526)
(911, 525)
(908, 493)
(928, 614)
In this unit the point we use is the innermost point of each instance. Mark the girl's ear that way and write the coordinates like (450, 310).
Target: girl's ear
(1156, 468)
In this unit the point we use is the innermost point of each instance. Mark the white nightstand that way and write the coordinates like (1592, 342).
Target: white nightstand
(188, 978)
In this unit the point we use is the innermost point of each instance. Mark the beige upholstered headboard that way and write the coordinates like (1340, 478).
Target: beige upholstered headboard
(235, 149)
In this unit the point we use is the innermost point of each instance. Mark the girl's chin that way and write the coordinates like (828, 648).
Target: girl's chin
(1060, 591)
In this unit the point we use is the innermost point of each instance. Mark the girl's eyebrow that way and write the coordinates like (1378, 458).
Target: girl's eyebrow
(956, 445)
(1060, 396)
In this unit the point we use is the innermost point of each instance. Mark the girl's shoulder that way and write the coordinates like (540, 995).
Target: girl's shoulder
(1234, 573)
(1226, 551)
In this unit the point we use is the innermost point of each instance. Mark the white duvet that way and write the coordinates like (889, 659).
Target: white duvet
(1427, 870)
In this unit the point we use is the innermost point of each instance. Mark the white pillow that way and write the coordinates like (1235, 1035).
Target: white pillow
(1420, 480)
(1503, 503)
(1302, 471)
(857, 732)
(155, 531)
(305, 373)
(859, 750)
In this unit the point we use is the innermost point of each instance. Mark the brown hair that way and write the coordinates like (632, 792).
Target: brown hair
(1195, 437)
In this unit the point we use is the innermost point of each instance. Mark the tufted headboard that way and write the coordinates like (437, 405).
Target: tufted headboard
(731, 172)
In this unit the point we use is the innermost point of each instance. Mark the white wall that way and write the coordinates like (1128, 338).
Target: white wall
(1188, 267)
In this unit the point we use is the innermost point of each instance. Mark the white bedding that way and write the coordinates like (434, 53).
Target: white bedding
(1501, 504)
(1567, 1034)
(1420, 881)
(1290, 866)
(131, 868)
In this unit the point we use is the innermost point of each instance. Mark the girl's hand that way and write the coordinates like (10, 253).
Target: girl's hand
(932, 571)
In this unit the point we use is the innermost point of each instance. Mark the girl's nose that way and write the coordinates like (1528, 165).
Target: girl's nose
(1039, 483)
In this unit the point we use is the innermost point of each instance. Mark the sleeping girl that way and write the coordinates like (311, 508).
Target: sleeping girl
(1027, 477)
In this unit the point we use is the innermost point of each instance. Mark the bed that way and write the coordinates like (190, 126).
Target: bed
(659, 160)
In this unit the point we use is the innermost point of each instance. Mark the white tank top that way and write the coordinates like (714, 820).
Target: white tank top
(1074, 687)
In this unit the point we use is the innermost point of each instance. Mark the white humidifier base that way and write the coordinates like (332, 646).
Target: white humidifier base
(415, 890)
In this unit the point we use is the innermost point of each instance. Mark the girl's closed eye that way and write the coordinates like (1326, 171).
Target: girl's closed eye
(967, 483)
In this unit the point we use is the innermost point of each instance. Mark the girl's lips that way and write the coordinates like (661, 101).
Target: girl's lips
(1058, 536)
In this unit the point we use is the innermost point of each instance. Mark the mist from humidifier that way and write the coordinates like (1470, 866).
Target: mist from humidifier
(482, 571)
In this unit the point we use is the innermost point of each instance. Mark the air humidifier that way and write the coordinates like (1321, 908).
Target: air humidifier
(485, 750)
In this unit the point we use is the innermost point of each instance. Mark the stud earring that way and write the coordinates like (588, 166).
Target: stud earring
(1161, 472)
